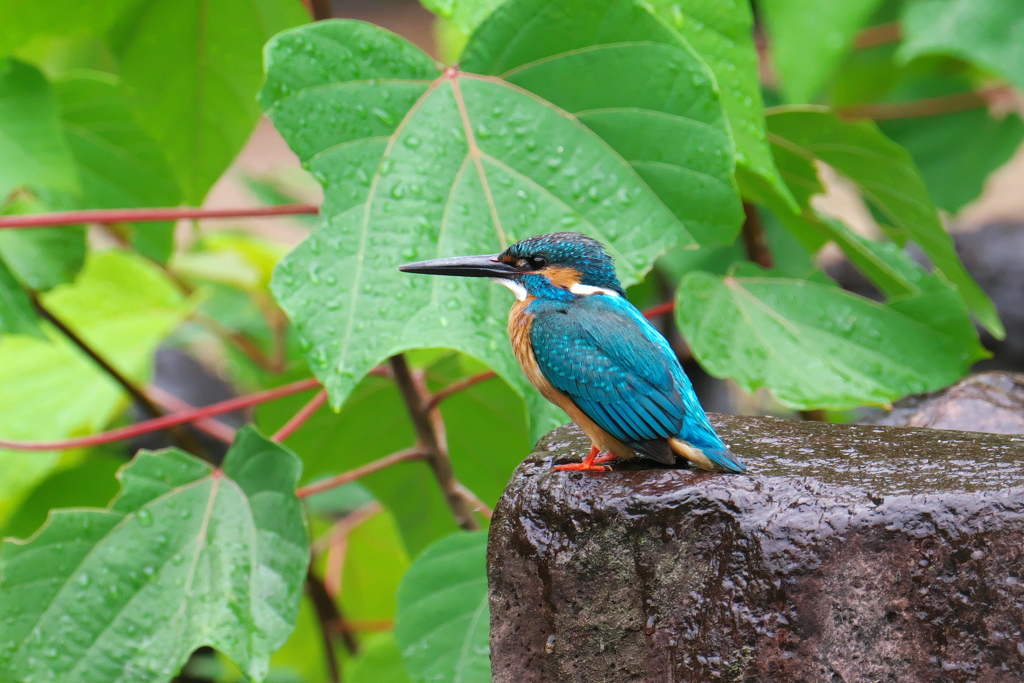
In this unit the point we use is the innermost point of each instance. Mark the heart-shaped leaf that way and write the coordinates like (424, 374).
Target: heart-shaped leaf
(475, 165)
(185, 556)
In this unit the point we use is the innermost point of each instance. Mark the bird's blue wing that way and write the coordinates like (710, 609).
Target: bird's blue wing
(601, 352)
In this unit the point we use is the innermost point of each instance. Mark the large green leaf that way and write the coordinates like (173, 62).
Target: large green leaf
(443, 624)
(22, 21)
(466, 14)
(123, 307)
(808, 40)
(32, 148)
(814, 345)
(583, 56)
(475, 165)
(185, 556)
(379, 661)
(118, 164)
(721, 33)
(17, 316)
(889, 180)
(375, 560)
(192, 69)
(989, 33)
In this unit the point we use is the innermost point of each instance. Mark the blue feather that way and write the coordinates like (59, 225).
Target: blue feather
(601, 352)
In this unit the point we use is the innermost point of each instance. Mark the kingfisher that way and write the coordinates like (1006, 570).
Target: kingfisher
(589, 351)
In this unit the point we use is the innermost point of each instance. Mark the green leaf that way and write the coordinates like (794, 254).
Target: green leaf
(192, 69)
(17, 316)
(814, 345)
(889, 180)
(379, 661)
(583, 56)
(443, 624)
(722, 34)
(43, 258)
(90, 483)
(957, 152)
(119, 165)
(985, 32)
(466, 14)
(185, 556)
(809, 39)
(22, 21)
(123, 307)
(475, 165)
(31, 145)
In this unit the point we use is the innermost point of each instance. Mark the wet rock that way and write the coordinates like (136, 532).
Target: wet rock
(850, 553)
(987, 402)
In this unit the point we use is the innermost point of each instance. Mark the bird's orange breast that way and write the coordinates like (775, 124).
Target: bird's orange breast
(519, 323)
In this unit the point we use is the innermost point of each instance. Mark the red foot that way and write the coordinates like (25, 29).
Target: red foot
(592, 463)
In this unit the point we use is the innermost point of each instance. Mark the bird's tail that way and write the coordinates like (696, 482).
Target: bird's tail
(708, 458)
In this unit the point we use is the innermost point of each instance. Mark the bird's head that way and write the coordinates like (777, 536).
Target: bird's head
(560, 265)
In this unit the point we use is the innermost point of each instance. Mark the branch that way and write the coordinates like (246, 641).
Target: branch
(300, 417)
(878, 35)
(182, 437)
(932, 106)
(47, 220)
(169, 401)
(360, 472)
(660, 310)
(456, 387)
(430, 432)
(159, 423)
(321, 9)
(327, 614)
(754, 238)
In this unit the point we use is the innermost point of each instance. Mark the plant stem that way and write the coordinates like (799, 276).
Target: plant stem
(932, 106)
(166, 421)
(321, 9)
(660, 310)
(429, 427)
(52, 219)
(327, 615)
(245, 345)
(754, 238)
(183, 437)
(299, 418)
(211, 427)
(456, 387)
(878, 35)
(360, 472)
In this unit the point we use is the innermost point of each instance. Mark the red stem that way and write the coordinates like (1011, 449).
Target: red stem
(45, 220)
(456, 387)
(660, 310)
(159, 423)
(360, 472)
(299, 418)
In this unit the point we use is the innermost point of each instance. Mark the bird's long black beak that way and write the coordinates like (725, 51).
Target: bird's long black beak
(466, 266)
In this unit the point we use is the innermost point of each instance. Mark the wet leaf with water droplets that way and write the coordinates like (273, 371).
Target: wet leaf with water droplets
(584, 57)
(415, 198)
(889, 179)
(443, 622)
(815, 345)
(128, 593)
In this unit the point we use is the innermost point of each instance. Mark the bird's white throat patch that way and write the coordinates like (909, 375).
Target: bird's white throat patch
(516, 288)
(586, 290)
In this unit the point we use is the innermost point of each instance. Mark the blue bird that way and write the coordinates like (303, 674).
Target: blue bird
(593, 354)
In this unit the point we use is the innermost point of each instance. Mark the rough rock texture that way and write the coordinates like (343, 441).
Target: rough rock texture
(987, 402)
(849, 554)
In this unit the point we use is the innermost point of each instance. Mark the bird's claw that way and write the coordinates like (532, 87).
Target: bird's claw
(582, 467)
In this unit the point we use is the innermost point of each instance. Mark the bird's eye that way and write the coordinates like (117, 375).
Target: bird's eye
(537, 262)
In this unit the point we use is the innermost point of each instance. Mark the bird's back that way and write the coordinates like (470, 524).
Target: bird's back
(600, 353)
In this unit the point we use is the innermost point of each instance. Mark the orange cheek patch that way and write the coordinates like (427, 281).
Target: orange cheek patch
(562, 276)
